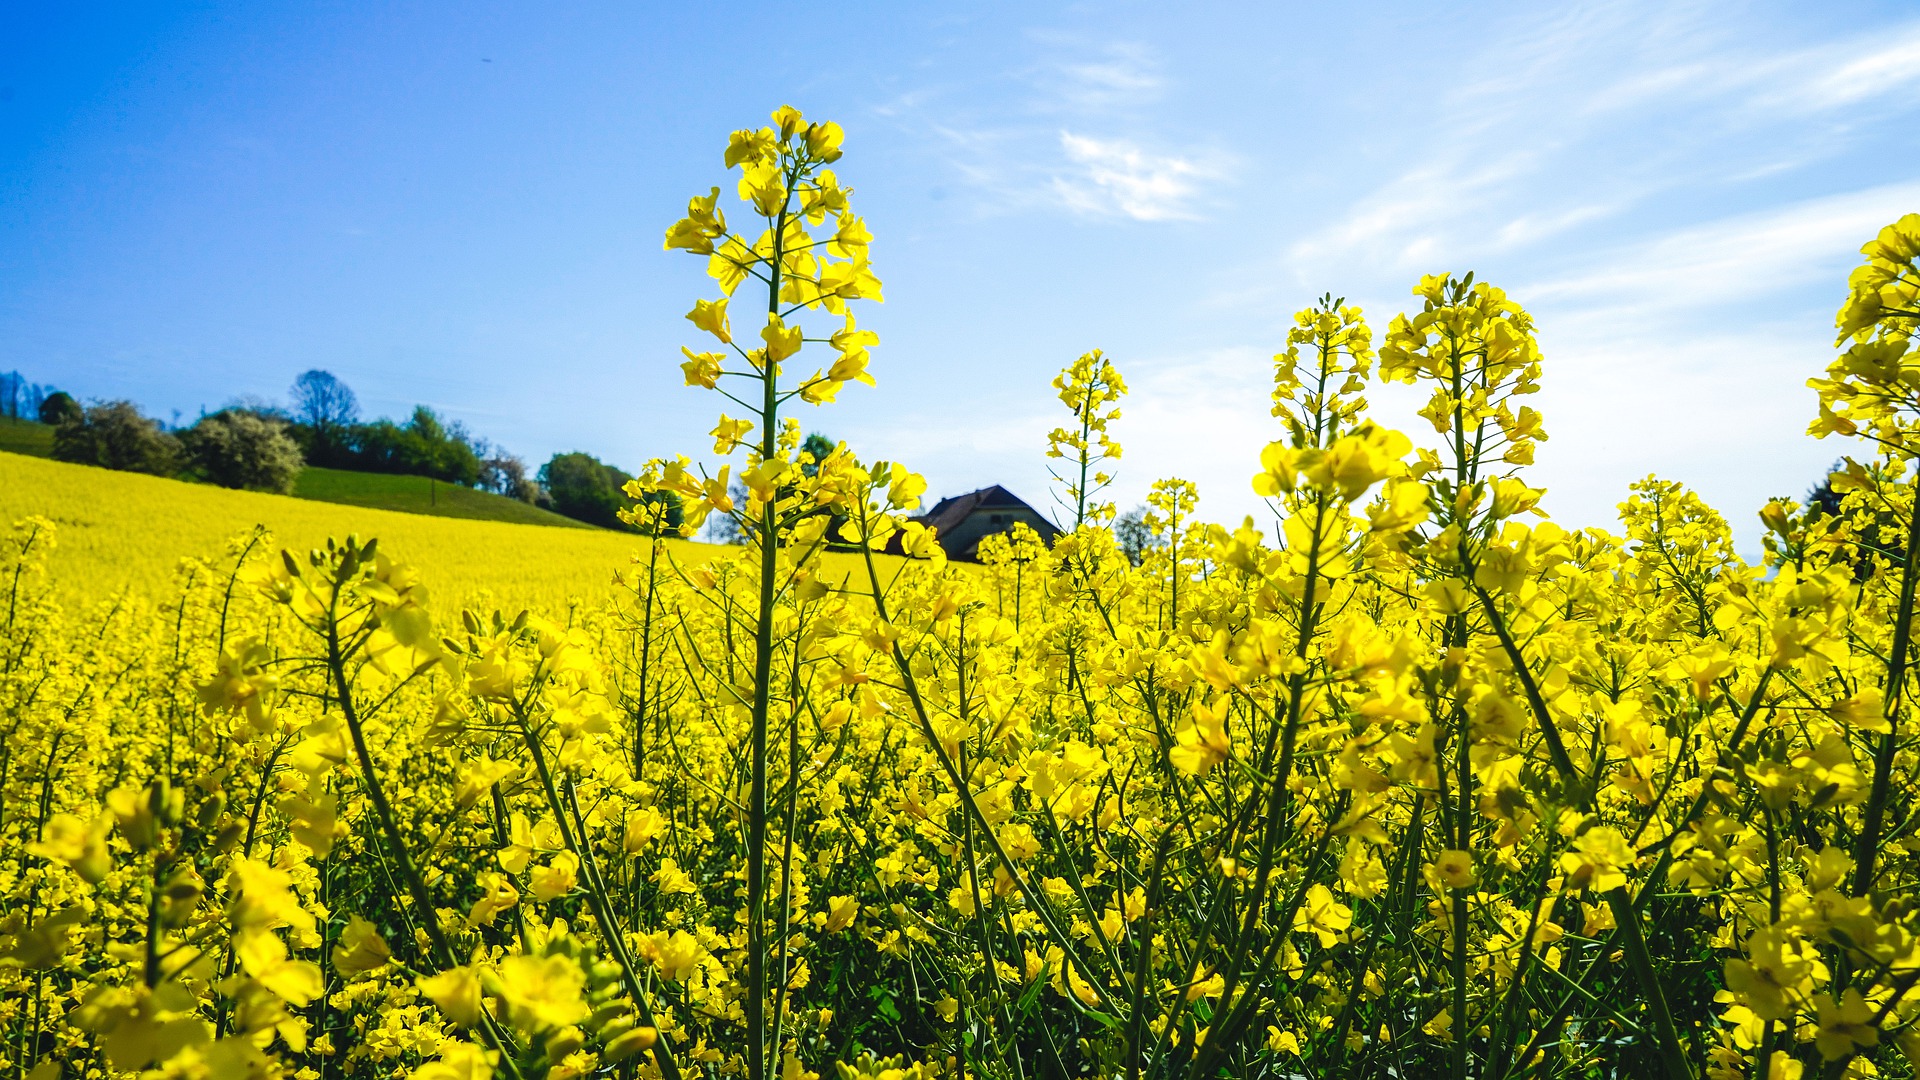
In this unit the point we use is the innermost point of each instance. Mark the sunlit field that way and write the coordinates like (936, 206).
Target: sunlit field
(124, 532)
(1401, 780)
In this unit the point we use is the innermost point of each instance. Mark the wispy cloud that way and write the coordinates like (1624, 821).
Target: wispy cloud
(1596, 111)
(1118, 75)
(1894, 65)
(1048, 149)
(1115, 177)
(1764, 85)
(1735, 260)
(1410, 220)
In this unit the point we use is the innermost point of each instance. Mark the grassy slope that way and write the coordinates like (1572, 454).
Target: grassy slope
(420, 495)
(119, 531)
(26, 437)
(410, 494)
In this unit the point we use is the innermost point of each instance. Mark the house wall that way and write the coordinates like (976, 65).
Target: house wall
(987, 520)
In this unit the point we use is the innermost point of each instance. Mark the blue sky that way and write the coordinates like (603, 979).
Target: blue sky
(462, 205)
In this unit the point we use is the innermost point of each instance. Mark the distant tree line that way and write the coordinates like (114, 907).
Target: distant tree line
(261, 446)
(20, 399)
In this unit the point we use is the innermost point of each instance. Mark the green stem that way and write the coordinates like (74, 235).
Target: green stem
(389, 824)
(1868, 847)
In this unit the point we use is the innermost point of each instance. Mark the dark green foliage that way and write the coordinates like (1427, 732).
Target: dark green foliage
(1131, 533)
(585, 488)
(113, 435)
(325, 415)
(239, 449)
(423, 446)
(819, 446)
(59, 408)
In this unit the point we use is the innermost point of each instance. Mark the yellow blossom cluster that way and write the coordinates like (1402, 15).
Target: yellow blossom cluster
(1406, 781)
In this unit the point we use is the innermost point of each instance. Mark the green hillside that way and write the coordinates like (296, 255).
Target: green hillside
(26, 437)
(377, 491)
(420, 495)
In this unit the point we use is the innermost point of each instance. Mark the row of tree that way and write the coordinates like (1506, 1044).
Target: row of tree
(234, 448)
(262, 446)
(22, 400)
(325, 419)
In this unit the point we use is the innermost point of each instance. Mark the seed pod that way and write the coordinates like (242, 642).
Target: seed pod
(211, 808)
(229, 837)
(160, 800)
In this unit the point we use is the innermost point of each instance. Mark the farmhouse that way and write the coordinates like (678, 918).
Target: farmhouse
(964, 520)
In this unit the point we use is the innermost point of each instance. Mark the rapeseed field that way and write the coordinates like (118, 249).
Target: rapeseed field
(125, 532)
(1406, 781)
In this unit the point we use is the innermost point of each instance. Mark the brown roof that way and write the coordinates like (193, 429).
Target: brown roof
(949, 513)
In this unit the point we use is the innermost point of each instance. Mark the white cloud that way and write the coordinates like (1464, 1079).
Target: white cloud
(1114, 176)
(1099, 79)
(1203, 417)
(1406, 221)
(1893, 66)
(1737, 259)
(1764, 85)
(1593, 112)
(1036, 155)
(1686, 354)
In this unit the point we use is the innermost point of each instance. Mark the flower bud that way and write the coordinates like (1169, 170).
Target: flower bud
(633, 1042)
(564, 1042)
(607, 1014)
(179, 897)
(94, 864)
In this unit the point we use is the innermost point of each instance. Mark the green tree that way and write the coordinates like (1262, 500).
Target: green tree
(59, 408)
(240, 449)
(1131, 533)
(819, 446)
(587, 489)
(423, 446)
(113, 435)
(325, 412)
